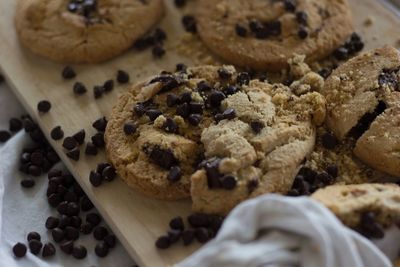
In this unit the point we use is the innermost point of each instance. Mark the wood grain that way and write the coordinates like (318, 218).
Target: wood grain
(135, 219)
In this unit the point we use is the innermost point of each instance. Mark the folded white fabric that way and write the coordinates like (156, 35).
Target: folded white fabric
(277, 231)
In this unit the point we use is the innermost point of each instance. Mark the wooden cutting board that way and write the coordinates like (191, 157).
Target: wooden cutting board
(135, 219)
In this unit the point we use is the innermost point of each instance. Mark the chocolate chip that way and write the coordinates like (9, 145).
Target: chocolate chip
(35, 246)
(177, 223)
(216, 98)
(199, 220)
(196, 108)
(28, 183)
(95, 179)
(34, 170)
(74, 154)
(290, 5)
(80, 136)
(62, 207)
(19, 250)
(163, 242)
(139, 109)
(229, 114)
(93, 218)
(231, 90)
(64, 221)
(172, 100)
(180, 67)
(243, 78)
(153, 114)
(224, 74)
(185, 97)
(14, 125)
(69, 143)
(195, 119)
(329, 141)
(183, 110)
(100, 233)
(33, 236)
(98, 140)
(67, 247)
(100, 124)
(163, 157)
(4, 136)
(303, 32)
(130, 128)
(325, 178)
(57, 234)
(98, 91)
(158, 51)
(189, 23)
(91, 149)
(175, 174)
(57, 133)
(71, 233)
(332, 170)
(122, 77)
(79, 252)
(48, 250)
(109, 173)
(213, 174)
(252, 185)
(110, 240)
(174, 235)
(228, 182)
(44, 106)
(302, 18)
(369, 227)
(72, 209)
(241, 30)
(257, 126)
(187, 237)
(68, 73)
(79, 88)
(203, 86)
(101, 249)
(170, 126)
(180, 3)
(86, 204)
(108, 85)
(76, 222)
(324, 73)
(54, 200)
(86, 228)
(341, 53)
(202, 235)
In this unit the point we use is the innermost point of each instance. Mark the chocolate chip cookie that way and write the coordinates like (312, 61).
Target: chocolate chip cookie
(352, 203)
(363, 97)
(87, 31)
(265, 34)
(212, 133)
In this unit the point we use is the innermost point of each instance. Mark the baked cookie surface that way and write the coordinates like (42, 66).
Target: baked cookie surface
(363, 97)
(265, 34)
(212, 133)
(350, 202)
(88, 31)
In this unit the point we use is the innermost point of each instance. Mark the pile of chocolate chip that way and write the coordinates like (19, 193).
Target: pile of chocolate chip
(349, 48)
(202, 227)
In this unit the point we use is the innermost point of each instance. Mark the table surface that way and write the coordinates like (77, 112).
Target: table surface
(135, 219)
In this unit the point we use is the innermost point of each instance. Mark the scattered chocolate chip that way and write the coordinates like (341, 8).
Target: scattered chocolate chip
(98, 140)
(98, 91)
(158, 51)
(163, 242)
(91, 149)
(54, 200)
(175, 174)
(122, 77)
(28, 183)
(64, 221)
(93, 218)
(79, 88)
(35, 246)
(198, 220)
(80, 136)
(33, 236)
(44, 106)
(57, 234)
(109, 173)
(68, 73)
(69, 143)
(100, 233)
(15, 125)
(241, 30)
(74, 154)
(79, 252)
(71, 233)
(57, 133)
(76, 221)
(189, 23)
(201, 235)
(110, 240)
(48, 250)
(329, 141)
(177, 223)
(187, 237)
(341, 53)
(95, 179)
(4, 136)
(101, 249)
(86, 204)
(67, 247)
(108, 85)
(19, 250)
(369, 227)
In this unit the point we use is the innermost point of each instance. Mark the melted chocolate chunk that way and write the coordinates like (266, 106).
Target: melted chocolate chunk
(365, 122)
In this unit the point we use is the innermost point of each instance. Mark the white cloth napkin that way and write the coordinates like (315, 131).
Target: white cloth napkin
(24, 210)
(277, 231)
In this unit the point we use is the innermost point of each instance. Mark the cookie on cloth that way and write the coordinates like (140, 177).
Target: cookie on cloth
(263, 34)
(167, 128)
(363, 97)
(362, 206)
(87, 31)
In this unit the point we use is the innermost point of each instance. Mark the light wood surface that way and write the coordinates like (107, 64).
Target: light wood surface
(135, 219)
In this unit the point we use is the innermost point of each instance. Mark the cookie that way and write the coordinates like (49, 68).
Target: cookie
(363, 97)
(88, 31)
(264, 34)
(166, 128)
(350, 202)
